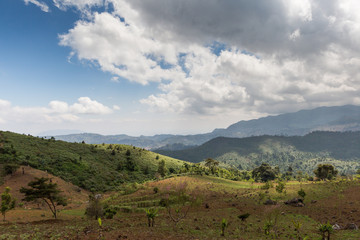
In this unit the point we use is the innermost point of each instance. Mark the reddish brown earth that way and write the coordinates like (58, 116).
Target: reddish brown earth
(76, 197)
(341, 207)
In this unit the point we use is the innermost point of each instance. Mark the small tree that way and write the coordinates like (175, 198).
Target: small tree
(280, 187)
(178, 202)
(95, 208)
(7, 202)
(10, 168)
(211, 164)
(224, 225)
(325, 171)
(48, 192)
(302, 193)
(264, 173)
(151, 213)
(325, 229)
(162, 169)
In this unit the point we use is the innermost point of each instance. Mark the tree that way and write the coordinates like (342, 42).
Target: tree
(151, 213)
(7, 202)
(280, 187)
(95, 208)
(10, 168)
(211, 164)
(48, 192)
(130, 164)
(178, 202)
(264, 173)
(325, 171)
(162, 169)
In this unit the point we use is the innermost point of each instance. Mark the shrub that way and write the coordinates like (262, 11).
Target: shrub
(109, 212)
(95, 208)
(267, 185)
(325, 229)
(151, 213)
(280, 186)
(224, 225)
(302, 193)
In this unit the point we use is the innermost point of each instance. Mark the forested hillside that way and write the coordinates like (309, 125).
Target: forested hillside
(100, 167)
(301, 153)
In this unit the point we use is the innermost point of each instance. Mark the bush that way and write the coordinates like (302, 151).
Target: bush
(267, 185)
(280, 186)
(95, 208)
(109, 212)
(302, 193)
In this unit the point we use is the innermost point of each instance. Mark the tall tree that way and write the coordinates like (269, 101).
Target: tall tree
(264, 173)
(48, 192)
(325, 171)
(95, 208)
(162, 169)
(211, 164)
(7, 202)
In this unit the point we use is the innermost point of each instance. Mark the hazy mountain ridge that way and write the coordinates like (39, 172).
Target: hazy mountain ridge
(300, 152)
(339, 118)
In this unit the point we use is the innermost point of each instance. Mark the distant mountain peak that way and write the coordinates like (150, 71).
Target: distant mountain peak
(336, 118)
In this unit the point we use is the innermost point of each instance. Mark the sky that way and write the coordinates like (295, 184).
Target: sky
(172, 66)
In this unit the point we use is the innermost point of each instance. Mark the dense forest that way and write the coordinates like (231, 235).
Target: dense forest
(301, 153)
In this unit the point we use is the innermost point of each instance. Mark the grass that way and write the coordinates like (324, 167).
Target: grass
(225, 200)
(97, 168)
(74, 212)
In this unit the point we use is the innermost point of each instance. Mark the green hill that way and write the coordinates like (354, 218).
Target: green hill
(100, 167)
(301, 153)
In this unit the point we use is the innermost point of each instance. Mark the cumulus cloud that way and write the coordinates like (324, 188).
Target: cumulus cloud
(43, 6)
(213, 57)
(84, 106)
(79, 4)
(57, 111)
(87, 106)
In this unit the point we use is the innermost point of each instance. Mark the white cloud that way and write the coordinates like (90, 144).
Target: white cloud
(294, 35)
(43, 6)
(79, 4)
(59, 107)
(115, 79)
(56, 112)
(4, 104)
(279, 56)
(87, 106)
(120, 49)
(116, 107)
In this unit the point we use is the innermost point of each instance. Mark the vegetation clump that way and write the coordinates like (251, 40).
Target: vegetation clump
(151, 213)
(325, 171)
(7, 202)
(264, 173)
(95, 208)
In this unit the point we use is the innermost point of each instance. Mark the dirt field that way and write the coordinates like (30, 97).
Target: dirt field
(336, 202)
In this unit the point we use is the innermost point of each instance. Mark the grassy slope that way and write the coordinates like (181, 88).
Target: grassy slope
(92, 167)
(336, 202)
(302, 153)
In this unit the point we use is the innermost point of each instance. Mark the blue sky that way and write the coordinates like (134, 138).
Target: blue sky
(167, 66)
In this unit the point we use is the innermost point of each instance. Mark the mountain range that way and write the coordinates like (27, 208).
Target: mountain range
(337, 118)
(301, 153)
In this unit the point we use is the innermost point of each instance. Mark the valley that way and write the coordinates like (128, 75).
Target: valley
(207, 200)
